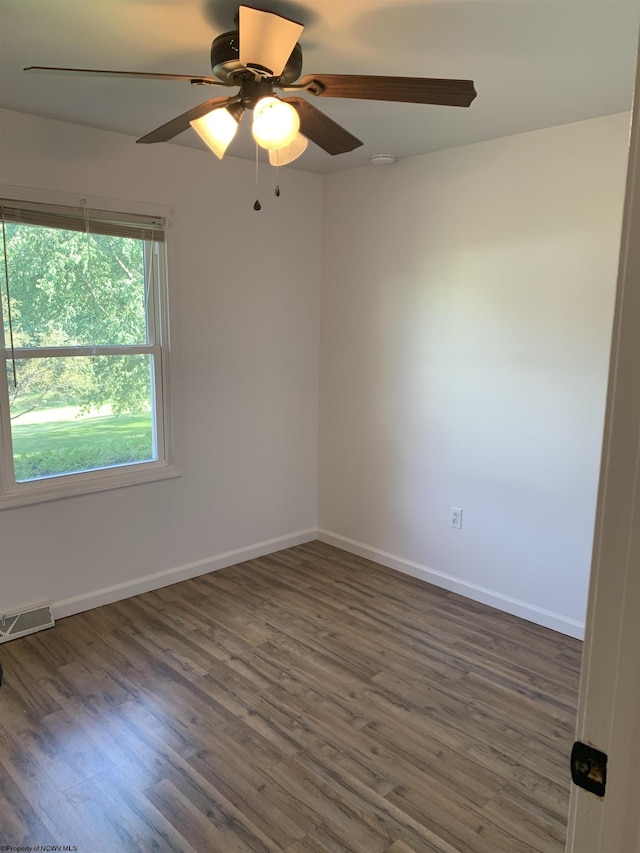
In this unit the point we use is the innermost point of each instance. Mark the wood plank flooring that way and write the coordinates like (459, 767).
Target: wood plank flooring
(305, 702)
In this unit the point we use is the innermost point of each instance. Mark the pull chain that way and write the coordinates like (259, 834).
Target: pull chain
(277, 164)
(6, 278)
(257, 205)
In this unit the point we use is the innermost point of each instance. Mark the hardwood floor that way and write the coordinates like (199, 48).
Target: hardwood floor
(305, 701)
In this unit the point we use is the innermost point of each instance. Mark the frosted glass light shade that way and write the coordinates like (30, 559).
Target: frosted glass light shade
(275, 123)
(266, 40)
(217, 129)
(291, 152)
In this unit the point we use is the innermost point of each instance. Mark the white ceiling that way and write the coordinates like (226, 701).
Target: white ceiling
(535, 63)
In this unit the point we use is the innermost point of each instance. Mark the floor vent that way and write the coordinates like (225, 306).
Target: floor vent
(26, 622)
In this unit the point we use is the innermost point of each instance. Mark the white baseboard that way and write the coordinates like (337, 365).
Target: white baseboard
(107, 595)
(87, 601)
(530, 612)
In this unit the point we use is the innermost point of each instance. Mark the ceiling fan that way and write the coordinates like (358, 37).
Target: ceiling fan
(261, 56)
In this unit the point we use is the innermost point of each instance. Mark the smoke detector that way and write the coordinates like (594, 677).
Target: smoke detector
(382, 159)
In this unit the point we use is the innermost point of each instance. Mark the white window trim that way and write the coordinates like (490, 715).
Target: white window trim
(86, 482)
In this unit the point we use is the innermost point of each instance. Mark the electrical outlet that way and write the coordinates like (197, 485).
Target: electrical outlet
(455, 517)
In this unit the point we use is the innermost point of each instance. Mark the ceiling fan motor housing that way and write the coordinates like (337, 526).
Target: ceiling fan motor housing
(225, 60)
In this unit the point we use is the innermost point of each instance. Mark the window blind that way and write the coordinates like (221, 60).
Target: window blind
(83, 218)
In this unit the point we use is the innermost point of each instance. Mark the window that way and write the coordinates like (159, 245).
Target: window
(84, 397)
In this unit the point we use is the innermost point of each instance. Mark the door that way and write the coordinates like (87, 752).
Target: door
(609, 707)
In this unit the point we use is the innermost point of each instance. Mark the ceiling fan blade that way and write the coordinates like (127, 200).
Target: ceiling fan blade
(409, 90)
(147, 75)
(322, 130)
(266, 40)
(179, 123)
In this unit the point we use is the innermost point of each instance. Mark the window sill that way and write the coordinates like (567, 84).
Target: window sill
(73, 485)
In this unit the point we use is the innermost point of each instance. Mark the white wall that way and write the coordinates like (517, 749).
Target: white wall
(467, 301)
(244, 349)
(466, 312)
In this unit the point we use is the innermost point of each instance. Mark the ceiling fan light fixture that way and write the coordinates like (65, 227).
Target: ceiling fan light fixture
(289, 153)
(275, 123)
(218, 128)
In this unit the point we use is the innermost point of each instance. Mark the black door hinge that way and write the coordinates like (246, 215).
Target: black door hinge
(589, 768)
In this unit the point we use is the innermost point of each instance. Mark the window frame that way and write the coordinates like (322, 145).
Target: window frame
(14, 494)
